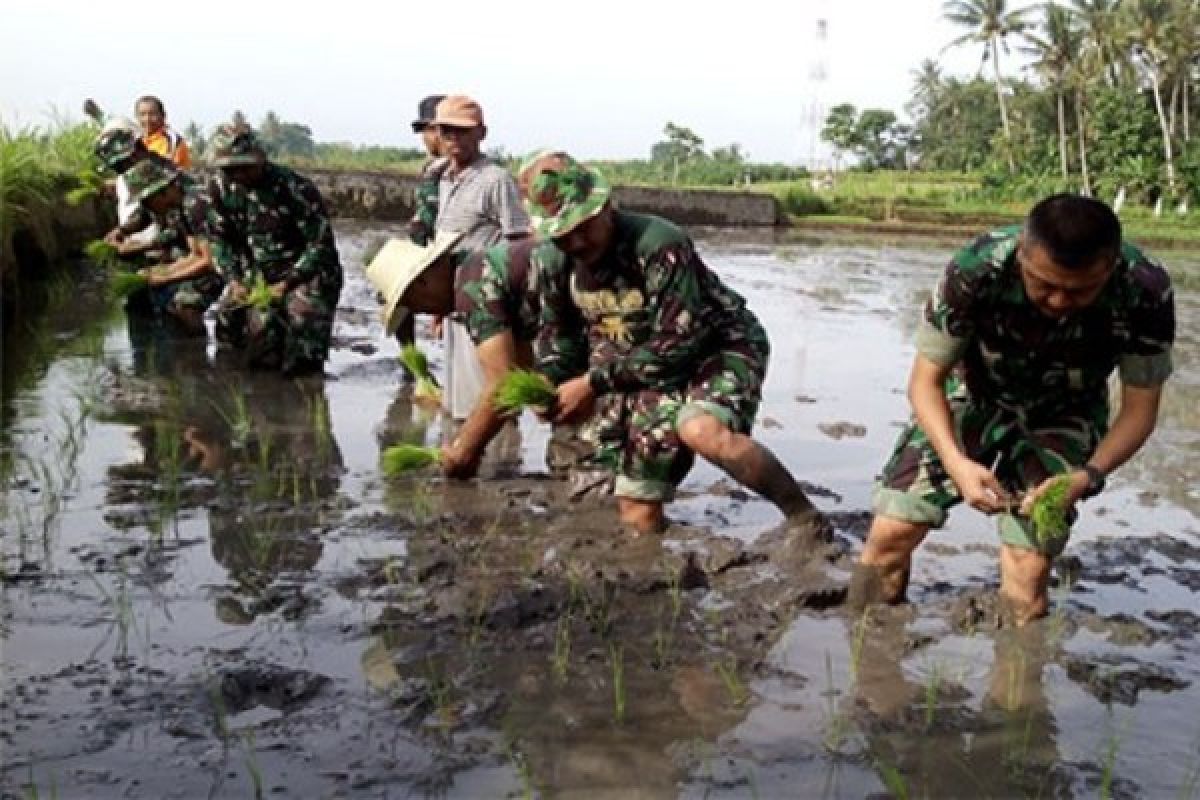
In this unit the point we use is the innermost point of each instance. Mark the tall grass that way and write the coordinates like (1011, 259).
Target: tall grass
(37, 169)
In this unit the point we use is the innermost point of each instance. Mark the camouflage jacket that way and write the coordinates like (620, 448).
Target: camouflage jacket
(188, 219)
(142, 218)
(1019, 359)
(425, 201)
(278, 229)
(497, 291)
(650, 309)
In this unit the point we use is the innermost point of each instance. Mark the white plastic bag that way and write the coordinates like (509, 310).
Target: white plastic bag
(464, 374)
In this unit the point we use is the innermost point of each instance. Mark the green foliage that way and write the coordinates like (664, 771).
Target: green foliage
(402, 458)
(522, 388)
(260, 296)
(123, 284)
(1049, 512)
(102, 254)
(418, 365)
(802, 201)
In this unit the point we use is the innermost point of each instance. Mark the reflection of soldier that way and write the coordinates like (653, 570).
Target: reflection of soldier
(287, 465)
(271, 225)
(914, 728)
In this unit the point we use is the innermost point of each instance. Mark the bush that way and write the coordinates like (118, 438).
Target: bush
(802, 201)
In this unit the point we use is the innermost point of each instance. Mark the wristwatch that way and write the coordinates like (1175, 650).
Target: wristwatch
(1095, 484)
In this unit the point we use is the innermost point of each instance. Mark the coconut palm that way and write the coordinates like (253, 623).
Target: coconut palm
(990, 23)
(1147, 25)
(1103, 47)
(927, 90)
(1055, 47)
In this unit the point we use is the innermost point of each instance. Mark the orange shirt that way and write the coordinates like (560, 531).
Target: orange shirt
(160, 142)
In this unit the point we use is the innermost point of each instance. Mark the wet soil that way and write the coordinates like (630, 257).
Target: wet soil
(210, 591)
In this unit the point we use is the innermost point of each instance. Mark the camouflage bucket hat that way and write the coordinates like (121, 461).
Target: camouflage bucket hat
(116, 143)
(148, 178)
(231, 147)
(560, 193)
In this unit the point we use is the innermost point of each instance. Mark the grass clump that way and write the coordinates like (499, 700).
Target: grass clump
(1049, 512)
(124, 284)
(402, 458)
(522, 388)
(417, 364)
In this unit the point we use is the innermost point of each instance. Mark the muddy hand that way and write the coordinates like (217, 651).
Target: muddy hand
(979, 487)
(458, 465)
(575, 398)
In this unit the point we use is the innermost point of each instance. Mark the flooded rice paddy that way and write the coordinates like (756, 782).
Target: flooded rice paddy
(210, 591)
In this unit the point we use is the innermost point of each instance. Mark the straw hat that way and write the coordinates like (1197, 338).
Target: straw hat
(398, 265)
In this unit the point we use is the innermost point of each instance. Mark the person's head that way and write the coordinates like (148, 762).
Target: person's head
(460, 128)
(1068, 249)
(117, 146)
(150, 113)
(237, 152)
(154, 185)
(423, 124)
(569, 203)
(414, 279)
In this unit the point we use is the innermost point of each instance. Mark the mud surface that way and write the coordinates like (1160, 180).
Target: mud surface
(209, 590)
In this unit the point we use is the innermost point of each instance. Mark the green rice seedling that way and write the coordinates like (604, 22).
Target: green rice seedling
(1049, 512)
(260, 296)
(835, 720)
(522, 388)
(256, 777)
(617, 659)
(728, 673)
(102, 254)
(124, 284)
(896, 785)
(933, 683)
(856, 644)
(561, 658)
(402, 458)
(417, 364)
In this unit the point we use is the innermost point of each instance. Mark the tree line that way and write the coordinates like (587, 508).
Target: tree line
(1103, 104)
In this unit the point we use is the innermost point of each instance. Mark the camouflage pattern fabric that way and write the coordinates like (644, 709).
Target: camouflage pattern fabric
(664, 339)
(423, 225)
(1037, 367)
(496, 291)
(915, 487)
(279, 230)
(1030, 393)
(176, 225)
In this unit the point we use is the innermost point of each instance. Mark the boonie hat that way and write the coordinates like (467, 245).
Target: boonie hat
(560, 193)
(116, 142)
(148, 178)
(233, 146)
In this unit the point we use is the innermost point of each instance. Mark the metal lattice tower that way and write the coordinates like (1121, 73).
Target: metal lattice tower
(817, 102)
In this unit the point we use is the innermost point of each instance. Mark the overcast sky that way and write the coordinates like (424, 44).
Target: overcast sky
(600, 80)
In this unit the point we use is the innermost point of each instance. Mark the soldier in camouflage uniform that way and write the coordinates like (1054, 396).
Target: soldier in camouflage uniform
(676, 360)
(423, 224)
(186, 283)
(274, 229)
(119, 148)
(1034, 319)
(494, 294)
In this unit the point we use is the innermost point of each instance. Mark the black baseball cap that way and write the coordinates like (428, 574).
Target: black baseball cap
(426, 110)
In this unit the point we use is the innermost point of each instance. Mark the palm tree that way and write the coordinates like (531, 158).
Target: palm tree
(927, 90)
(990, 23)
(1148, 29)
(1055, 49)
(1103, 47)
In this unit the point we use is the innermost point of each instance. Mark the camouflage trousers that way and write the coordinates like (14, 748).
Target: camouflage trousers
(636, 435)
(291, 335)
(915, 487)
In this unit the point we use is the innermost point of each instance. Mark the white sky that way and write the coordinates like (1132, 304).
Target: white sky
(600, 80)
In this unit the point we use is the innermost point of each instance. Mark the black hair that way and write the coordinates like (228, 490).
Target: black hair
(149, 98)
(1074, 230)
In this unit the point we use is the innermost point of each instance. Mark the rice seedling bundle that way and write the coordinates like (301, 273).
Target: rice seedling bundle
(102, 254)
(1049, 512)
(260, 296)
(123, 284)
(402, 458)
(416, 363)
(522, 388)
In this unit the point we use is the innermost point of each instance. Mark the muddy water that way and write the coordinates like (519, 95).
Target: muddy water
(209, 591)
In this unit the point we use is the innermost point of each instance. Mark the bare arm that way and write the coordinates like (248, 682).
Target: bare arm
(197, 262)
(927, 393)
(461, 458)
